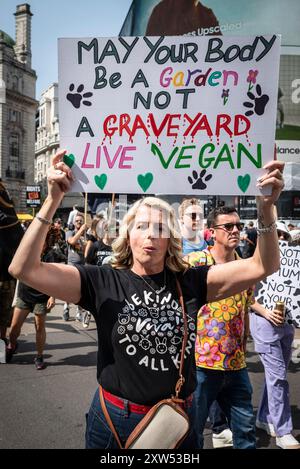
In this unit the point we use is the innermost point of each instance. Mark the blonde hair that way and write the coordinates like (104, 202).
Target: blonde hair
(187, 203)
(123, 258)
(94, 224)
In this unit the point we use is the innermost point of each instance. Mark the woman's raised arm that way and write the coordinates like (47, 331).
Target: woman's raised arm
(233, 277)
(57, 280)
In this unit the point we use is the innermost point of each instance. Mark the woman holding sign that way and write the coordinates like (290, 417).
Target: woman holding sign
(136, 304)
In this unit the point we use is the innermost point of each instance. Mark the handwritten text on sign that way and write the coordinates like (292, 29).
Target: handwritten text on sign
(168, 114)
(284, 285)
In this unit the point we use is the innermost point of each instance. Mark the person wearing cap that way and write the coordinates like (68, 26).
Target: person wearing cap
(273, 338)
(291, 226)
(283, 231)
(295, 238)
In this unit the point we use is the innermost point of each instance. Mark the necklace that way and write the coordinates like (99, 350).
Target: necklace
(160, 290)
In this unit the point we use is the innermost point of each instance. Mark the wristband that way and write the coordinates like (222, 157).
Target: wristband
(44, 220)
(266, 229)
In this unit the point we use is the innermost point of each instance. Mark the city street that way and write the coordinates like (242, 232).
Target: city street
(104, 103)
(46, 409)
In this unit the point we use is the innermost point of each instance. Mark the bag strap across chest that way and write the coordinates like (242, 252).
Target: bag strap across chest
(181, 379)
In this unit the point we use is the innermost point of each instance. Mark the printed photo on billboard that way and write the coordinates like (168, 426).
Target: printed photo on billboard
(233, 17)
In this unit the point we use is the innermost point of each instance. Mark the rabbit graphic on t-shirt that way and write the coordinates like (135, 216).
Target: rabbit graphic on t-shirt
(161, 347)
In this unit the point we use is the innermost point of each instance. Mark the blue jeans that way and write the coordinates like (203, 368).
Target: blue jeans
(233, 390)
(217, 418)
(98, 434)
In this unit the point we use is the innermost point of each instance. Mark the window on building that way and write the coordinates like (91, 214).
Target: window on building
(2, 91)
(14, 149)
(42, 117)
(14, 116)
(14, 152)
(15, 83)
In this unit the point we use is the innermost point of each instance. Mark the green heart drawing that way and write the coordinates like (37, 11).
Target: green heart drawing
(145, 180)
(101, 181)
(243, 182)
(69, 160)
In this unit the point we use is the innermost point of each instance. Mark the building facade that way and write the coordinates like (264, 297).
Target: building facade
(17, 108)
(47, 135)
(47, 144)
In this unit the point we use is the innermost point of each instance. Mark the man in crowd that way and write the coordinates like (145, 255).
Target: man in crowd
(191, 222)
(250, 240)
(76, 246)
(72, 216)
(222, 330)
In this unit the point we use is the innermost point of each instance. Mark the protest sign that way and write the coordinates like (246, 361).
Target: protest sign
(176, 115)
(33, 196)
(283, 285)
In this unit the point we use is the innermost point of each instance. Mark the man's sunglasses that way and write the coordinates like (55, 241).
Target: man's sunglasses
(229, 226)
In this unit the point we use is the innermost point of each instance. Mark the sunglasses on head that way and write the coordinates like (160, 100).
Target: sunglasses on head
(229, 226)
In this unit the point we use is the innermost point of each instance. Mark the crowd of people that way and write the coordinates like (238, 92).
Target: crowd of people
(123, 273)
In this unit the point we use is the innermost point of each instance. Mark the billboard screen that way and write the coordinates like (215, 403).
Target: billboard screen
(233, 17)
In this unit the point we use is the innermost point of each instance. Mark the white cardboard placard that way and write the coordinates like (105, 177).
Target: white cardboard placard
(174, 115)
(283, 285)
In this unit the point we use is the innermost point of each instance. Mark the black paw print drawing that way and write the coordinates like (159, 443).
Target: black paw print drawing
(75, 98)
(260, 102)
(199, 181)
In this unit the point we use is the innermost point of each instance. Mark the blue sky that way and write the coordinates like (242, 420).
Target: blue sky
(86, 18)
(62, 18)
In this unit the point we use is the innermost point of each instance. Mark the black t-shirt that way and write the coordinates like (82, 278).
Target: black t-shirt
(98, 252)
(250, 246)
(31, 295)
(140, 332)
(91, 237)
